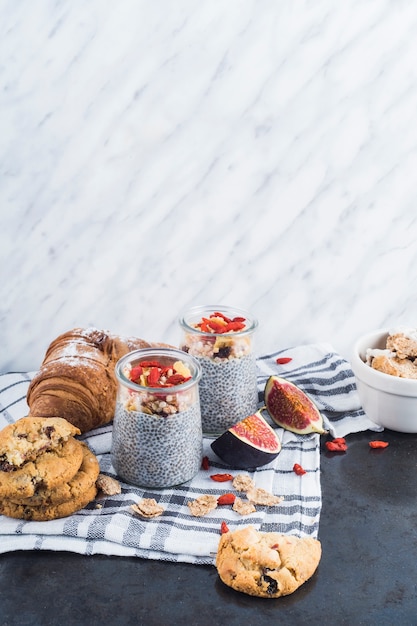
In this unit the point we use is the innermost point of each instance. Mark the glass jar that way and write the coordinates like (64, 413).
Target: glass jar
(157, 435)
(221, 339)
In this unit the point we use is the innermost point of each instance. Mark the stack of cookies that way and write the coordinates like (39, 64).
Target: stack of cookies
(45, 472)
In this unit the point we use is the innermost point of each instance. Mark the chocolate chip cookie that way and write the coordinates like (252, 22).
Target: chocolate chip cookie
(268, 565)
(85, 477)
(47, 471)
(47, 512)
(29, 437)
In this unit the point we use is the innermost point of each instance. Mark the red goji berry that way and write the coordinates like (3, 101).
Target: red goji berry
(335, 447)
(175, 379)
(224, 528)
(282, 360)
(298, 469)
(226, 498)
(136, 373)
(238, 319)
(205, 463)
(153, 376)
(378, 444)
(221, 478)
(234, 326)
(150, 364)
(223, 316)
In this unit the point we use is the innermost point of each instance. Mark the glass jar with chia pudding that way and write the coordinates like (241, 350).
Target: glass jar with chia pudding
(157, 434)
(221, 339)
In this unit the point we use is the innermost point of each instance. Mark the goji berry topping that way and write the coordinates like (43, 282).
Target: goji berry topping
(283, 360)
(154, 374)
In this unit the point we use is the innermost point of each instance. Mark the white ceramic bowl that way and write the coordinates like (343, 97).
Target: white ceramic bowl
(387, 400)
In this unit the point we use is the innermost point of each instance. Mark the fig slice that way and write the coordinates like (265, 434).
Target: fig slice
(248, 444)
(291, 408)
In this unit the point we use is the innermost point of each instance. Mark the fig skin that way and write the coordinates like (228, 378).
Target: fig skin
(238, 446)
(291, 408)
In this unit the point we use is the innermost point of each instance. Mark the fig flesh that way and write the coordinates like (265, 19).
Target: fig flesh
(248, 444)
(291, 408)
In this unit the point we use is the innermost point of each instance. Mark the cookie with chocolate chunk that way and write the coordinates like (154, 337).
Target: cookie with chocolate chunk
(47, 471)
(85, 477)
(47, 512)
(268, 565)
(29, 437)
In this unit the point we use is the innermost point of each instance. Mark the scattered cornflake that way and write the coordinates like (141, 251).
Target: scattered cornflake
(257, 495)
(147, 507)
(108, 485)
(202, 505)
(242, 482)
(243, 507)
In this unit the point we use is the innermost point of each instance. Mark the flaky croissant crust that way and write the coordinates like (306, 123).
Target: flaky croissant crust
(77, 378)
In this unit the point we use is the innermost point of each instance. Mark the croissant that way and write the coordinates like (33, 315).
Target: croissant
(77, 378)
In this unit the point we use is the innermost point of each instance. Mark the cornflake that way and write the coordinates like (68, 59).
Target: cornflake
(108, 485)
(202, 505)
(147, 507)
(242, 482)
(243, 507)
(257, 495)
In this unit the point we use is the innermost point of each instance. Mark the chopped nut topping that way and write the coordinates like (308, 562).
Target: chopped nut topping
(202, 505)
(147, 507)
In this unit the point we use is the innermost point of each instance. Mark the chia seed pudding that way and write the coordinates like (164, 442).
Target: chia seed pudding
(157, 434)
(228, 386)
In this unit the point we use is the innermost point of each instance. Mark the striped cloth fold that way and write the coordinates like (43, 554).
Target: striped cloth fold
(108, 525)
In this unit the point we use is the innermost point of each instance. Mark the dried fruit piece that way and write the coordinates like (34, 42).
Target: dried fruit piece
(378, 444)
(224, 528)
(283, 360)
(249, 443)
(337, 445)
(226, 498)
(300, 471)
(221, 478)
(205, 463)
(291, 408)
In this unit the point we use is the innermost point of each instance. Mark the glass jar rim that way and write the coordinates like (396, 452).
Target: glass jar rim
(230, 311)
(172, 353)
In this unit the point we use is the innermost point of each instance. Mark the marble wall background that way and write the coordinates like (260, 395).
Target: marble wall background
(157, 155)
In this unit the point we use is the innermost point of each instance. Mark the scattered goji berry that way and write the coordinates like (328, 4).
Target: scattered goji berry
(226, 498)
(205, 463)
(221, 478)
(378, 444)
(336, 446)
(282, 360)
(298, 469)
(224, 528)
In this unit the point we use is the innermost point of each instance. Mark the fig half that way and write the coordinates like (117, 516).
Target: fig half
(248, 444)
(291, 408)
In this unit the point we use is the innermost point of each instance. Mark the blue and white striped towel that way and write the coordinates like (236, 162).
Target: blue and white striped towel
(177, 536)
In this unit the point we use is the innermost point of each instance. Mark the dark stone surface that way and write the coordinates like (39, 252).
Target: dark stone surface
(367, 575)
